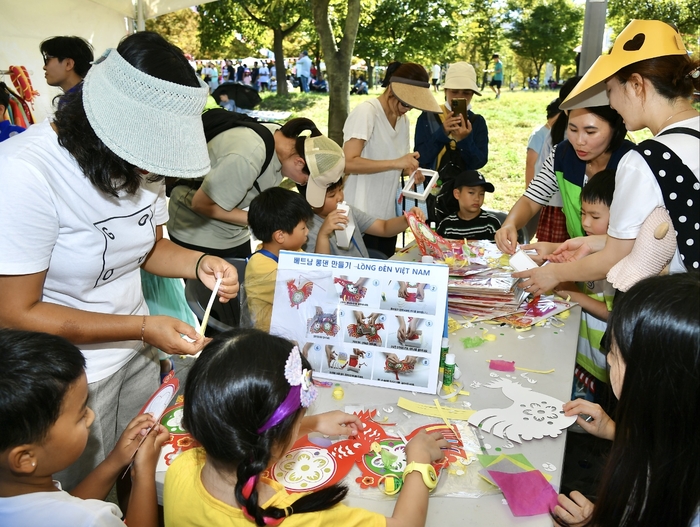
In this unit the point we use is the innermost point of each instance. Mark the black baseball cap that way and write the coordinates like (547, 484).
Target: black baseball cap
(473, 178)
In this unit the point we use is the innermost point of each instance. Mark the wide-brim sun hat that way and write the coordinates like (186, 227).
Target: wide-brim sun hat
(326, 162)
(640, 40)
(416, 94)
(155, 125)
(461, 76)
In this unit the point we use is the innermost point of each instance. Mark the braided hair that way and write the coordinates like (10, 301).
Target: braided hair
(232, 390)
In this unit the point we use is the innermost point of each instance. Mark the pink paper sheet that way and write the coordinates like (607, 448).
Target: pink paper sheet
(528, 493)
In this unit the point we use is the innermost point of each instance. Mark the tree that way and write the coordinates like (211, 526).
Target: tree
(484, 30)
(180, 28)
(337, 52)
(407, 30)
(684, 14)
(547, 31)
(220, 19)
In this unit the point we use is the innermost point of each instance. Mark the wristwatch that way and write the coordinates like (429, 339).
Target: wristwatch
(426, 470)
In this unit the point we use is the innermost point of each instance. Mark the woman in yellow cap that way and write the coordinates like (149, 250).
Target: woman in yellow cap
(649, 79)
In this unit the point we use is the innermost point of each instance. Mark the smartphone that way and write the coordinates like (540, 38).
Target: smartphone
(459, 106)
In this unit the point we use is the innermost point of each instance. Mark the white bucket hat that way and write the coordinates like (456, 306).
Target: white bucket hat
(461, 76)
(326, 162)
(155, 125)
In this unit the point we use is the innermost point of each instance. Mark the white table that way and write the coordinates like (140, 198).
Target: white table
(542, 348)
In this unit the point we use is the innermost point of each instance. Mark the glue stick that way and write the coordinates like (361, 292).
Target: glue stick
(448, 376)
(444, 350)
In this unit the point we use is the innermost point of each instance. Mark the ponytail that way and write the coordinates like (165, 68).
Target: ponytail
(293, 130)
(232, 390)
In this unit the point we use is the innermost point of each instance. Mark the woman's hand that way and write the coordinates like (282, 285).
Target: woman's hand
(419, 213)
(463, 129)
(538, 281)
(576, 248)
(574, 510)
(507, 239)
(408, 163)
(210, 269)
(165, 333)
(335, 423)
(543, 249)
(600, 425)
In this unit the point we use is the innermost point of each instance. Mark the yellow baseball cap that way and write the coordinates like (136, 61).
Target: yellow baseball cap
(640, 40)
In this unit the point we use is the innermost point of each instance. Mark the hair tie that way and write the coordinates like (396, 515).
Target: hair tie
(288, 511)
(694, 73)
(249, 486)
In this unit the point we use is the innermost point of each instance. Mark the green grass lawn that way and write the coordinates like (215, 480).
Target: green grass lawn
(510, 120)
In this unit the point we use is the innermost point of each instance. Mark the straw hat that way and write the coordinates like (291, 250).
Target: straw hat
(154, 124)
(326, 162)
(640, 40)
(416, 94)
(461, 76)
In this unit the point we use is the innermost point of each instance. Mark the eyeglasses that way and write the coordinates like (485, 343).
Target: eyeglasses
(47, 58)
(407, 106)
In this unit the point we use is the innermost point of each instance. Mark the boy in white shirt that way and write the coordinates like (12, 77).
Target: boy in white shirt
(44, 418)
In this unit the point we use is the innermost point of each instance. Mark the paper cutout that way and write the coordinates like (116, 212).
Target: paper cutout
(459, 414)
(350, 292)
(532, 415)
(367, 329)
(323, 324)
(309, 467)
(298, 296)
(160, 400)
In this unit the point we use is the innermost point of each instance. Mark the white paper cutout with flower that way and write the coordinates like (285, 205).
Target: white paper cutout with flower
(296, 376)
(532, 416)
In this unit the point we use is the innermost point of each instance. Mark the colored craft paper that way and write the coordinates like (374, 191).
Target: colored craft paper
(502, 365)
(528, 493)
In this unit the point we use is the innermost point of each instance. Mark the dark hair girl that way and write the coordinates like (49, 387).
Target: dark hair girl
(243, 406)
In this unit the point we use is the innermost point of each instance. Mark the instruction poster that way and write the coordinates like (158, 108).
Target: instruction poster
(374, 322)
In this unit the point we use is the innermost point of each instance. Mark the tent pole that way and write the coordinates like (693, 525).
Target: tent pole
(140, 22)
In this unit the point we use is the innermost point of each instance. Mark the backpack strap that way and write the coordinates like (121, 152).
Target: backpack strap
(218, 120)
(681, 192)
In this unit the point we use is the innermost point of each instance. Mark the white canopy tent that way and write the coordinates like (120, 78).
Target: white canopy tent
(23, 25)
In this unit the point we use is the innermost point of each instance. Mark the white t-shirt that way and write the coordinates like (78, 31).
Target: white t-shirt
(57, 509)
(637, 193)
(436, 71)
(375, 193)
(91, 244)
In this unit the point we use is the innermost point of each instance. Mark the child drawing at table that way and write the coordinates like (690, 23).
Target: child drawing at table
(595, 298)
(44, 418)
(652, 476)
(245, 401)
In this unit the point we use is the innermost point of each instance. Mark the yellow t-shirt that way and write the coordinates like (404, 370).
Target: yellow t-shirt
(260, 278)
(188, 504)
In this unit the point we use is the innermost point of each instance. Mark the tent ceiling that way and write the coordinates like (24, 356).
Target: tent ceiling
(151, 8)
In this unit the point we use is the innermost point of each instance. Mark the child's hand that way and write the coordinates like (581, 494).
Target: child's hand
(335, 221)
(574, 510)
(425, 448)
(419, 213)
(128, 442)
(335, 423)
(600, 425)
(146, 458)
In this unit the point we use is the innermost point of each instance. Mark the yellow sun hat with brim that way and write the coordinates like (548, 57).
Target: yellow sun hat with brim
(640, 40)
(415, 93)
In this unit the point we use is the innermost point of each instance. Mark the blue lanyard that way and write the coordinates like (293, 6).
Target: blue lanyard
(267, 253)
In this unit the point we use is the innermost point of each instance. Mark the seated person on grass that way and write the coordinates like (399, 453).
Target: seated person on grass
(277, 217)
(470, 222)
(595, 298)
(327, 219)
(44, 418)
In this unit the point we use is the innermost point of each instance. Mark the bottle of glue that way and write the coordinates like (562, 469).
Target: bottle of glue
(448, 376)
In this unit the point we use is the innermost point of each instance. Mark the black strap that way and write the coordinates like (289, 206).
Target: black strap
(218, 120)
(681, 191)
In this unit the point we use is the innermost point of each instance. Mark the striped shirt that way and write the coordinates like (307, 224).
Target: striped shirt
(483, 227)
(544, 185)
